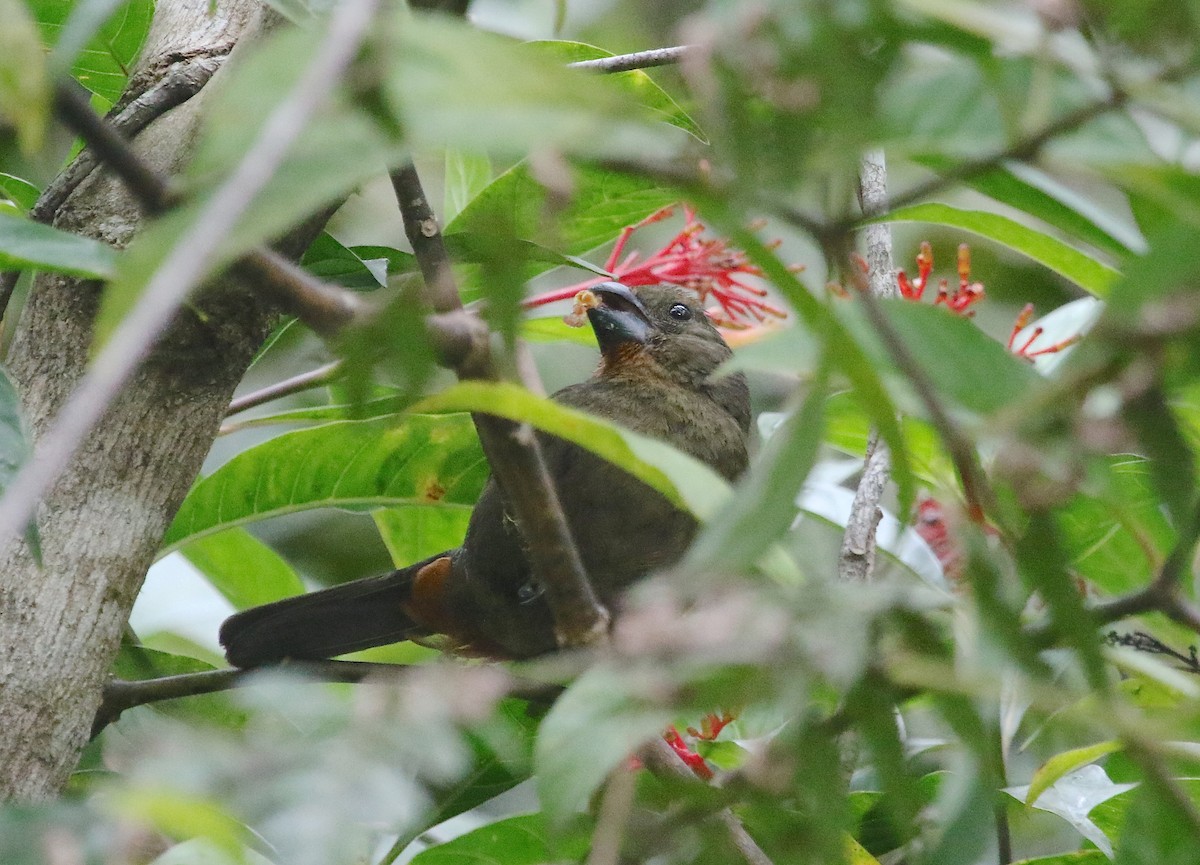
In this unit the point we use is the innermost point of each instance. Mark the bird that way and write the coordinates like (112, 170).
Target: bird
(658, 375)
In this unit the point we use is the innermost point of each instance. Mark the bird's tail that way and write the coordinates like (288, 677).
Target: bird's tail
(345, 618)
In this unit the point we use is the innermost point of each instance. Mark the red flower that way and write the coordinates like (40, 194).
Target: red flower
(708, 266)
(964, 296)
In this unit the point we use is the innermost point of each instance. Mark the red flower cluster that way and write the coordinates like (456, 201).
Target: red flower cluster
(967, 294)
(964, 296)
(710, 729)
(708, 266)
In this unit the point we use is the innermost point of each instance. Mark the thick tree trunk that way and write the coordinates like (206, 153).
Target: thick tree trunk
(61, 623)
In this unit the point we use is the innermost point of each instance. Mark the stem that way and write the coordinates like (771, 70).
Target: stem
(638, 60)
(322, 375)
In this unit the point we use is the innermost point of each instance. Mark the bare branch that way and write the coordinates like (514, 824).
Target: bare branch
(512, 449)
(318, 377)
(638, 60)
(122, 694)
(184, 266)
(856, 561)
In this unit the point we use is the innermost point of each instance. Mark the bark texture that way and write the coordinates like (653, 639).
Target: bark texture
(61, 623)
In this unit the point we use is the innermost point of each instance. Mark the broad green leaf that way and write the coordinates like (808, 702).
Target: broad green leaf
(493, 769)
(181, 815)
(20, 192)
(1032, 191)
(681, 478)
(856, 854)
(243, 568)
(592, 728)
(25, 243)
(451, 84)
(764, 503)
(1061, 764)
(1116, 532)
(135, 663)
(201, 851)
(522, 840)
(345, 464)
(962, 362)
(1159, 829)
(637, 82)
(467, 175)
(24, 81)
(1086, 272)
(1080, 857)
(601, 204)
(327, 258)
(554, 329)
(415, 532)
(97, 40)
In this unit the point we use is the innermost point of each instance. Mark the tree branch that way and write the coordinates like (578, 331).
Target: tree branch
(322, 375)
(184, 266)
(638, 60)
(856, 561)
(123, 694)
(512, 449)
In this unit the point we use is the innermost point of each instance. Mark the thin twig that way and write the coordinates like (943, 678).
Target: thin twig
(637, 60)
(119, 695)
(662, 760)
(615, 808)
(184, 266)
(856, 562)
(318, 377)
(512, 449)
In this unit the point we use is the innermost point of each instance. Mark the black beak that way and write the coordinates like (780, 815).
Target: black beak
(621, 317)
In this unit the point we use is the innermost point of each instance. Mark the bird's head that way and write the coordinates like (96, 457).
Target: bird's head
(660, 330)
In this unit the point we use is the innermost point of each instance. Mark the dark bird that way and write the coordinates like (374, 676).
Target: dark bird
(659, 353)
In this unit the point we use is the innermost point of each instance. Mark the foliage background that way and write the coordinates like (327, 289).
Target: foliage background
(1059, 139)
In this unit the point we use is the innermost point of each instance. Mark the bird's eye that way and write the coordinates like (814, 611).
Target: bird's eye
(679, 312)
(529, 592)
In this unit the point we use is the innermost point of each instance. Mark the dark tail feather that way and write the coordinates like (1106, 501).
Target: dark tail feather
(345, 618)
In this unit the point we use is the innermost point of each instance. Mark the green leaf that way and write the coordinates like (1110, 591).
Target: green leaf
(521, 840)
(467, 175)
(554, 329)
(416, 532)
(25, 243)
(636, 82)
(1064, 763)
(20, 192)
(415, 459)
(98, 40)
(1086, 272)
(243, 568)
(962, 362)
(764, 503)
(1158, 829)
(450, 83)
(24, 82)
(1032, 191)
(595, 725)
(327, 258)
(1079, 857)
(601, 204)
(681, 478)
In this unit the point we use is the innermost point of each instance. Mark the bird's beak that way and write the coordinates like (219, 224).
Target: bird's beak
(620, 318)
